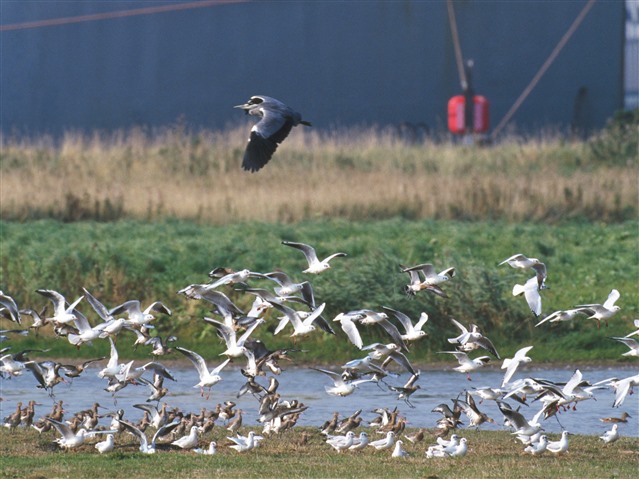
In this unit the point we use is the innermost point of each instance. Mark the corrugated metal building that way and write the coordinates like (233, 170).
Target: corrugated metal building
(340, 63)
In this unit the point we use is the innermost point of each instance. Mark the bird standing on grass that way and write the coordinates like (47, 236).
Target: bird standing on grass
(610, 436)
(276, 122)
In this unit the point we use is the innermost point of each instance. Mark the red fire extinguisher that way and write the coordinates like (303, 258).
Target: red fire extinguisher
(457, 114)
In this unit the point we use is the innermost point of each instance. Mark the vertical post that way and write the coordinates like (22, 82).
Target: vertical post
(469, 104)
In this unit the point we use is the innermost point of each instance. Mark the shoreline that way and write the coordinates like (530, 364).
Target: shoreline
(424, 367)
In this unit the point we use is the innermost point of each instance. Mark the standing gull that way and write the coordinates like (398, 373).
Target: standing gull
(610, 436)
(277, 121)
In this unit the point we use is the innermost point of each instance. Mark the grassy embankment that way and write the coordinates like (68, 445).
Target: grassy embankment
(27, 455)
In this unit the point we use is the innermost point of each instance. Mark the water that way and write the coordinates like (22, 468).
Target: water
(307, 385)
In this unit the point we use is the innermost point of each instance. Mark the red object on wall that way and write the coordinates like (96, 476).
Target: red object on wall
(456, 117)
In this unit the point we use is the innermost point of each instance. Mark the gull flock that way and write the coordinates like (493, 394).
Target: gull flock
(294, 305)
(525, 402)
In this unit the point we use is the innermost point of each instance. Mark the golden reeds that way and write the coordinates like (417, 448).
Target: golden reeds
(352, 173)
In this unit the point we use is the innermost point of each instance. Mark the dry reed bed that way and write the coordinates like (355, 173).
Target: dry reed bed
(354, 174)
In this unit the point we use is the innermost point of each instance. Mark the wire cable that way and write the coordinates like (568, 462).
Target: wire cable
(459, 59)
(543, 69)
(116, 14)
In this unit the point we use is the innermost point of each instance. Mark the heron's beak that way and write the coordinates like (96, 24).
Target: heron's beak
(243, 107)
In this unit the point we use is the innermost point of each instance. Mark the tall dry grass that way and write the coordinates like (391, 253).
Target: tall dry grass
(351, 173)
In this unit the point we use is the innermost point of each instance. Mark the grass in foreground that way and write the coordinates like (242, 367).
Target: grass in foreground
(27, 455)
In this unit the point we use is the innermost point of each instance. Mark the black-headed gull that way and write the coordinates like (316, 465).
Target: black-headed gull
(610, 436)
(632, 344)
(145, 447)
(466, 365)
(511, 364)
(62, 314)
(341, 443)
(234, 345)
(538, 448)
(72, 439)
(636, 331)
(622, 388)
(107, 445)
(208, 379)
(315, 266)
(419, 283)
(136, 316)
(385, 443)
(398, 450)
(603, 311)
(340, 387)
(245, 443)
(562, 315)
(561, 446)
(226, 276)
(520, 425)
(301, 327)
(347, 321)
(381, 319)
(11, 307)
(472, 339)
(188, 441)
(211, 450)
(522, 262)
(413, 332)
(430, 275)
(530, 290)
(442, 450)
(285, 285)
(360, 442)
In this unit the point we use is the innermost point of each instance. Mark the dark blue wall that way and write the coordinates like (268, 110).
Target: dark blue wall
(339, 63)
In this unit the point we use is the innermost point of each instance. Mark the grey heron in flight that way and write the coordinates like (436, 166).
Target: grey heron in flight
(275, 124)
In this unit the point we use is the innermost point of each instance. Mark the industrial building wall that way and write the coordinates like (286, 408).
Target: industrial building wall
(340, 63)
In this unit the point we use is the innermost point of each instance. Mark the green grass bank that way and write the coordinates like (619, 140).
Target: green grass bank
(123, 260)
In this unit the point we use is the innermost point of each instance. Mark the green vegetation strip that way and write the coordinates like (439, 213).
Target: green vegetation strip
(126, 260)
